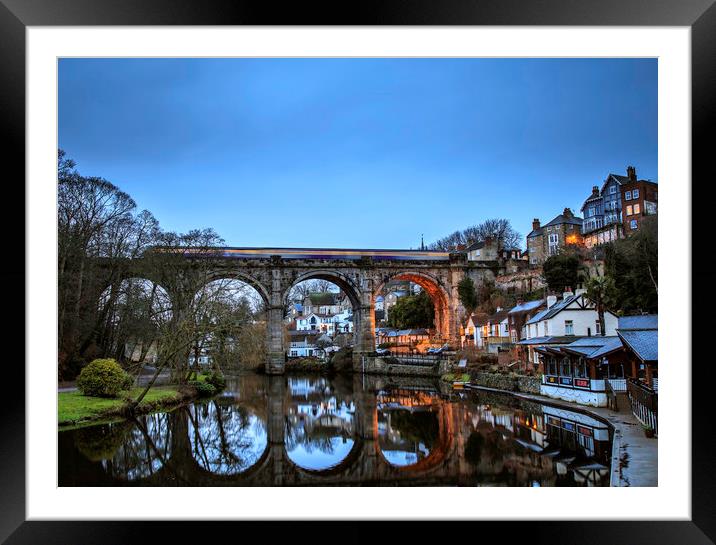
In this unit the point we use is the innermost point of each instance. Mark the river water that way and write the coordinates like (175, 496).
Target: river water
(355, 430)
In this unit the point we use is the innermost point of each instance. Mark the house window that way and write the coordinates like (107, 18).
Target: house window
(568, 327)
(598, 328)
(635, 194)
(565, 369)
(591, 210)
(580, 368)
(613, 189)
(546, 329)
(628, 210)
(627, 196)
(633, 224)
(551, 366)
(637, 209)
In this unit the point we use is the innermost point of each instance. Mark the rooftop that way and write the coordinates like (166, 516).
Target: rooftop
(594, 347)
(549, 340)
(526, 306)
(562, 219)
(643, 342)
(554, 309)
(646, 321)
(323, 298)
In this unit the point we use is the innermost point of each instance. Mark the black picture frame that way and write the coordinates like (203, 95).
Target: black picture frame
(16, 15)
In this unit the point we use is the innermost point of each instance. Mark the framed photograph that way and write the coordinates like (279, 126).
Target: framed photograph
(288, 266)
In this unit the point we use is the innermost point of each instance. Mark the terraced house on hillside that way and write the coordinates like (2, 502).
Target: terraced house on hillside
(547, 240)
(615, 210)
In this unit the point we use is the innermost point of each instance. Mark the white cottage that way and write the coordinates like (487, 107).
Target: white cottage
(573, 316)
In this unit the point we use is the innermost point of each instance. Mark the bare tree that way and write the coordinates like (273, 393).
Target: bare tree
(498, 230)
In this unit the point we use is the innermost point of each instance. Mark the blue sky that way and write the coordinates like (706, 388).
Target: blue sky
(356, 153)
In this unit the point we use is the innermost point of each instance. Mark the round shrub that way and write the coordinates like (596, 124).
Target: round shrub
(217, 380)
(203, 389)
(103, 378)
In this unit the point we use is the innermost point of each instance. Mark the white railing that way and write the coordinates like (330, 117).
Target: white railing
(618, 384)
(655, 384)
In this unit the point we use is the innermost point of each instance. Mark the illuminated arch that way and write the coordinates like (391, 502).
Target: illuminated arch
(434, 288)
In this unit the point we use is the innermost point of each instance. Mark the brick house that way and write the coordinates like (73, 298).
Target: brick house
(639, 198)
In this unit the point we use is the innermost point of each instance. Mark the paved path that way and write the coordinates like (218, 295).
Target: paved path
(634, 456)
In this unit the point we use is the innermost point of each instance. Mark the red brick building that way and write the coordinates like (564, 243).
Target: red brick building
(639, 199)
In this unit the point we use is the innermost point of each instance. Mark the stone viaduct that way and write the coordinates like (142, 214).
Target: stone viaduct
(361, 274)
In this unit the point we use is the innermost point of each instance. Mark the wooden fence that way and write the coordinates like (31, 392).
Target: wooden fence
(644, 403)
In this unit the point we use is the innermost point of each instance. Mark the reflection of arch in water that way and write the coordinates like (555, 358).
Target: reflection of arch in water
(443, 441)
(226, 440)
(320, 437)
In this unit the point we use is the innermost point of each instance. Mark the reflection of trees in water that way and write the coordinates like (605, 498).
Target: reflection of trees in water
(418, 427)
(128, 450)
(225, 439)
(405, 436)
(99, 443)
(491, 447)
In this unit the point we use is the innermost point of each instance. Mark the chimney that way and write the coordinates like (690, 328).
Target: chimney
(488, 242)
(631, 174)
(567, 292)
(535, 224)
(551, 300)
(595, 191)
(567, 213)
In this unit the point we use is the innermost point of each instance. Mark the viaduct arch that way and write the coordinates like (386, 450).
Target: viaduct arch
(361, 274)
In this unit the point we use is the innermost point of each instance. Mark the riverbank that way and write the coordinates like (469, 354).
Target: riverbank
(634, 456)
(74, 409)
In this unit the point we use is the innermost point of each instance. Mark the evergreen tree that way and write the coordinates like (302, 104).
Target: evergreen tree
(467, 293)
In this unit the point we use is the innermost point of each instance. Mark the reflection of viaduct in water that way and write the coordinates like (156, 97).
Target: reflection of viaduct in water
(273, 431)
(445, 464)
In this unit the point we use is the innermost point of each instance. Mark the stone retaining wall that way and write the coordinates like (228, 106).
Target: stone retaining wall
(391, 366)
(529, 385)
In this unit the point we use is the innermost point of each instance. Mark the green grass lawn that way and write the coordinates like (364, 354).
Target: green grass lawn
(73, 407)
